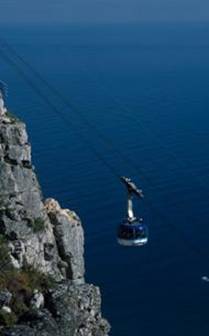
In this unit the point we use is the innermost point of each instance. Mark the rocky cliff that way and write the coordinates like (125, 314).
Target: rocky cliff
(42, 286)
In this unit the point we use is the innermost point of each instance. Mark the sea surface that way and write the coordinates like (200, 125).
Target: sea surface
(137, 105)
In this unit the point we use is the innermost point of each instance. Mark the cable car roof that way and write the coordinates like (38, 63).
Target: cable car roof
(132, 188)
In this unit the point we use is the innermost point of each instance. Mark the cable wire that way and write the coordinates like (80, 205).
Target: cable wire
(85, 121)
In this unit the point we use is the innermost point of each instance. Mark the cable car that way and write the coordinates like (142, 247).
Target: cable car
(132, 231)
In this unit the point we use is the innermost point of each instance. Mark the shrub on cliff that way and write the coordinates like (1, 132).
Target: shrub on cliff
(11, 116)
(7, 319)
(37, 224)
(4, 256)
(21, 284)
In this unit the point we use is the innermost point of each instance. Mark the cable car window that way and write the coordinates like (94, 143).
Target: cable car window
(140, 232)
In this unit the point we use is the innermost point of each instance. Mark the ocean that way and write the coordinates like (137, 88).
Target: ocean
(139, 107)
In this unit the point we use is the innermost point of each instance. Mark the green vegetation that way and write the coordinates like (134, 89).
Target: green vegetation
(11, 116)
(7, 319)
(21, 284)
(3, 203)
(37, 224)
(4, 255)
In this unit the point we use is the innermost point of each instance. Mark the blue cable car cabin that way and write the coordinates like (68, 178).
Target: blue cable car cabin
(132, 231)
(132, 234)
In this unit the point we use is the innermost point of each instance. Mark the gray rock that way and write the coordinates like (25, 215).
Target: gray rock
(2, 106)
(6, 309)
(48, 238)
(77, 310)
(37, 300)
(17, 253)
(22, 213)
(21, 330)
(71, 310)
(40, 323)
(5, 297)
(69, 237)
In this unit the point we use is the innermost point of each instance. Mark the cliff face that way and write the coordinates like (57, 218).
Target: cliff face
(39, 240)
(23, 218)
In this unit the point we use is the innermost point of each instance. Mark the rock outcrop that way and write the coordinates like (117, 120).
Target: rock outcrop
(23, 218)
(3, 109)
(69, 237)
(41, 248)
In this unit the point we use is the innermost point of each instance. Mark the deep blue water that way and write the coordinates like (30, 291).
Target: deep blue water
(145, 89)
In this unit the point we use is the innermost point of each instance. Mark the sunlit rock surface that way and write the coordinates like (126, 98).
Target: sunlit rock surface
(42, 235)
